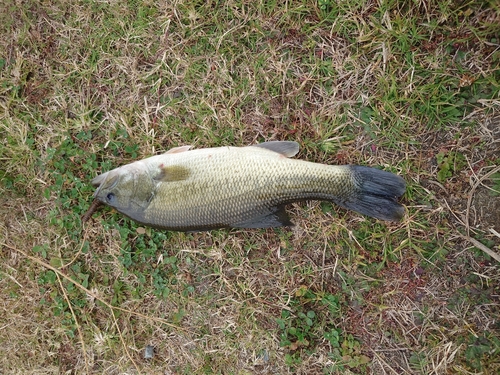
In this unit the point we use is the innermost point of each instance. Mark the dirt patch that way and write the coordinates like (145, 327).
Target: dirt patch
(485, 206)
(470, 155)
(485, 210)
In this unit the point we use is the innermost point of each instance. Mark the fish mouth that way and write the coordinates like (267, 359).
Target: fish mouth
(105, 179)
(99, 186)
(97, 181)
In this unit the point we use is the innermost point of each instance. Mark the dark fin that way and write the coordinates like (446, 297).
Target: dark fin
(285, 148)
(376, 194)
(177, 150)
(275, 218)
(173, 173)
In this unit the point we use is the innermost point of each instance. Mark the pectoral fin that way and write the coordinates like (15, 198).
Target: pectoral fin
(277, 217)
(172, 173)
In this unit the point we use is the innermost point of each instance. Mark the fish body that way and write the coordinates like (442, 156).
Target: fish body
(241, 187)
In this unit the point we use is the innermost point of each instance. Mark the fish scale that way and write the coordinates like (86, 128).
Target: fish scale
(243, 187)
(236, 204)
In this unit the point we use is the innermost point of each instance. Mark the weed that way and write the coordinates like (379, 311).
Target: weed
(449, 163)
(309, 326)
(495, 189)
(481, 351)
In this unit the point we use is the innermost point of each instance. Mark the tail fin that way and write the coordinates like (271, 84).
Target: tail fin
(376, 194)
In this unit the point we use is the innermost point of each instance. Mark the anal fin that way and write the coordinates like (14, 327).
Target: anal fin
(276, 217)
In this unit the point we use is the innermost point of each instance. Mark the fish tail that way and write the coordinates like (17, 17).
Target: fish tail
(376, 194)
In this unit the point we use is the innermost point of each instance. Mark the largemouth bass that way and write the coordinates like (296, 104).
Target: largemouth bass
(241, 187)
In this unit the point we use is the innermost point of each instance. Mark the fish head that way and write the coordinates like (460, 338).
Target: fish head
(128, 189)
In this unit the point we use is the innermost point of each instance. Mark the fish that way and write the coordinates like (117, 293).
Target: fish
(241, 187)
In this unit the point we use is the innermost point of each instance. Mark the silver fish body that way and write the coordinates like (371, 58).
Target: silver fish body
(241, 187)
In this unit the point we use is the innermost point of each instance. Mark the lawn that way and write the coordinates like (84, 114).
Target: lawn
(412, 87)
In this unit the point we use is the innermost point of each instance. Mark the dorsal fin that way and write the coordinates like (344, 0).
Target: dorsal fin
(286, 148)
(177, 150)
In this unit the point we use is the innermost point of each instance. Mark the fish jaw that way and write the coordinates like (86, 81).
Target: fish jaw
(97, 181)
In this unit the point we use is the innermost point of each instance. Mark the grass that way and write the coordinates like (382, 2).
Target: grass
(411, 86)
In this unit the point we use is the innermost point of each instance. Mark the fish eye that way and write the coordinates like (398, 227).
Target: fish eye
(110, 197)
